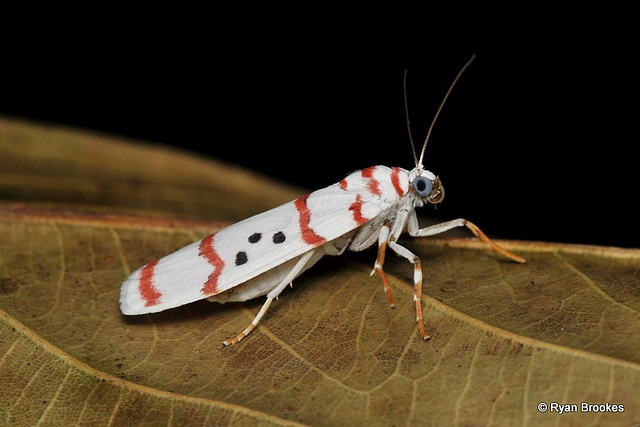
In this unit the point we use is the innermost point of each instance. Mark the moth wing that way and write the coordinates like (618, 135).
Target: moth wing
(248, 248)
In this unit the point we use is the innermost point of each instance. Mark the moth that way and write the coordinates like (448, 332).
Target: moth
(263, 254)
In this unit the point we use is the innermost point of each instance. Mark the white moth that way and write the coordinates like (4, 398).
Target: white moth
(263, 254)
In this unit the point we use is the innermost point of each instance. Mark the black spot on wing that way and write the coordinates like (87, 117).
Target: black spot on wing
(279, 237)
(241, 258)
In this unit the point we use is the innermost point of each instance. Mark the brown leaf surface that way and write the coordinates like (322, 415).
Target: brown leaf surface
(564, 327)
(49, 163)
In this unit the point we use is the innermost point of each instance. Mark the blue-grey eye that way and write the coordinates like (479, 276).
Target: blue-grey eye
(422, 186)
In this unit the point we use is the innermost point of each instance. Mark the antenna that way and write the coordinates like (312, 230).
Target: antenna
(406, 112)
(424, 146)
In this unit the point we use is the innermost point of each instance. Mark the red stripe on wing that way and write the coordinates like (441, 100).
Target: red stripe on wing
(356, 211)
(147, 289)
(395, 180)
(373, 185)
(208, 251)
(308, 235)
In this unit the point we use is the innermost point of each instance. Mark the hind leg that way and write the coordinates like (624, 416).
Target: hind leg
(293, 273)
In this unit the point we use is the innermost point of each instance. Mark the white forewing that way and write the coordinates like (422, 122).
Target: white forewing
(258, 244)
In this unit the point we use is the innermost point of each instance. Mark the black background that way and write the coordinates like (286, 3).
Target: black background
(538, 140)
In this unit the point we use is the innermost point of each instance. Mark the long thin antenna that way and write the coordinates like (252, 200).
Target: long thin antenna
(419, 162)
(406, 112)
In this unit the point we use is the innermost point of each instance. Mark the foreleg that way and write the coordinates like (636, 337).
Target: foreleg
(415, 231)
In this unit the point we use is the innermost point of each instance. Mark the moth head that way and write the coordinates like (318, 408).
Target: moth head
(427, 186)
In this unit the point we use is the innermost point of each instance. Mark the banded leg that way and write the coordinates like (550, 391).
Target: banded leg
(417, 283)
(383, 240)
(415, 231)
(297, 268)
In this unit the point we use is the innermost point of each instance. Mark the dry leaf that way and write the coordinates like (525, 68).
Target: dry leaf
(564, 327)
(48, 163)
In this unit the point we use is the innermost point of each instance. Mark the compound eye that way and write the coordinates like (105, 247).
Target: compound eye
(422, 186)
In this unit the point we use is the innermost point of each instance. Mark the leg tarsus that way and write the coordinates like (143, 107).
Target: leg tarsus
(238, 337)
(421, 329)
(249, 328)
(480, 235)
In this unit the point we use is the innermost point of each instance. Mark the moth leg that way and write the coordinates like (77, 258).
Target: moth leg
(297, 268)
(417, 283)
(415, 231)
(383, 240)
(249, 328)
